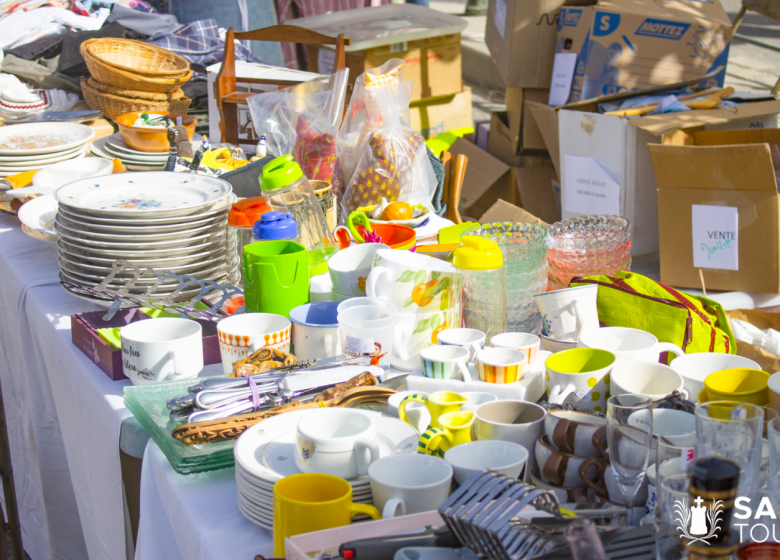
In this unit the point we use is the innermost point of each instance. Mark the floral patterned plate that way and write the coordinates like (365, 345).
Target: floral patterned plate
(42, 138)
(153, 195)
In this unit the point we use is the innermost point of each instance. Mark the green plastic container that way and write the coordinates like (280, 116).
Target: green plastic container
(276, 276)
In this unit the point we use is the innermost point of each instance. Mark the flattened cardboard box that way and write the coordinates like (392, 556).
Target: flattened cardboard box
(440, 114)
(434, 64)
(522, 126)
(503, 145)
(725, 169)
(625, 45)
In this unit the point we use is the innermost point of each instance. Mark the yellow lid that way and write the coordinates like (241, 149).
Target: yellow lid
(477, 253)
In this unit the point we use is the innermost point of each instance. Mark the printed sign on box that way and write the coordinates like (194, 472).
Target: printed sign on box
(714, 231)
(589, 189)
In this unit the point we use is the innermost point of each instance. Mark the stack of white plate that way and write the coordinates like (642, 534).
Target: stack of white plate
(114, 147)
(24, 147)
(165, 221)
(265, 454)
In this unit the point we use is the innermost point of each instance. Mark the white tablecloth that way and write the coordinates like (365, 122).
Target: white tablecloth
(193, 517)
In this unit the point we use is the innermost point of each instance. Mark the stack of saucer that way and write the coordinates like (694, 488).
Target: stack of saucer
(114, 147)
(165, 221)
(25, 147)
(265, 454)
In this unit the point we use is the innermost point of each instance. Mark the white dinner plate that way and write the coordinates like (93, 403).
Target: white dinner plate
(42, 138)
(153, 195)
(118, 143)
(163, 289)
(39, 213)
(4, 160)
(183, 233)
(38, 235)
(133, 230)
(150, 159)
(72, 236)
(220, 212)
(78, 264)
(160, 263)
(195, 251)
(36, 165)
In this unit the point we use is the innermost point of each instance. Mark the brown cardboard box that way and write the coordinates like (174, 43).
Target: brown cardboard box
(535, 191)
(487, 179)
(763, 320)
(522, 126)
(503, 145)
(439, 114)
(434, 65)
(731, 169)
(520, 35)
(503, 211)
(628, 45)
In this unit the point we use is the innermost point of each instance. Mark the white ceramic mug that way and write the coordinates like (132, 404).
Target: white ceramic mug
(367, 331)
(162, 349)
(569, 313)
(563, 469)
(628, 345)
(664, 421)
(475, 399)
(315, 330)
(472, 339)
(336, 441)
(349, 268)
(694, 368)
(242, 335)
(573, 432)
(500, 365)
(526, 343)
(441, 362)
(413, 333)
(414, 283)
(408, 483)
(654, 381)
(515, 421)
(580, 377)
(470, 458)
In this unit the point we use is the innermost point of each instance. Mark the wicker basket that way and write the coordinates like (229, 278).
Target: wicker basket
(113, 76)
(138, 58)
(175, 95)
(113, 106)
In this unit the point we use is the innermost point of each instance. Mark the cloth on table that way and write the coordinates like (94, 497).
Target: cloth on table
(22, 24)
(42, 73)
(72, 62)
(45, 47)
(437, 201)
(199, 43)
(768, 339)
(49, 100)
(145, 23)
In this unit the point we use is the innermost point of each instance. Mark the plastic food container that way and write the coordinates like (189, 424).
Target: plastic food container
(241, 216)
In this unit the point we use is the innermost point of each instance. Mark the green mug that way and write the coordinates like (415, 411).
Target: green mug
(276, 276)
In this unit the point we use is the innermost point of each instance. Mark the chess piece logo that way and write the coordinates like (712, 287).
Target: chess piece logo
(698, 523)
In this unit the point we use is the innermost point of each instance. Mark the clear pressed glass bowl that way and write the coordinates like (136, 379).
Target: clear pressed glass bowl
(587, 245)
(524, 248)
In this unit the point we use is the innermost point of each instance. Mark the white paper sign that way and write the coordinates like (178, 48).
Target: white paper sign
(563, 73)
(499, 18)
(325, 60)
(589, 189)
(715, 232)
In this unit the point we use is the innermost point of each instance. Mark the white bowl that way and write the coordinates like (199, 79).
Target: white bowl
(503, 456)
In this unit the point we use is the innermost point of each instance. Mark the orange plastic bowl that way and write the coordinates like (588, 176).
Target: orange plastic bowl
(151, 139)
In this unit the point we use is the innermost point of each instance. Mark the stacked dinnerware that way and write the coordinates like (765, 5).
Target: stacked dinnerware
(586, 246)
(165, 221)
(114, 147)
(524, 248)
(25, 147)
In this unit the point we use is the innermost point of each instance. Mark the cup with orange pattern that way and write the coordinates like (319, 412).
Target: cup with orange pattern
(500, 365)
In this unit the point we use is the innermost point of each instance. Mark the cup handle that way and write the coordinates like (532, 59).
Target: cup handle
(583, 472)
(399, 351)
(557, 396)
(175, 356)
(373, 278)
(371, 511)
(577, 308)
(598, 439)
(669, 347)
(365, 443)
(430, 441)
(393, 508)
(464, 371)
(327, 342)
(402, 407)
(476, 349)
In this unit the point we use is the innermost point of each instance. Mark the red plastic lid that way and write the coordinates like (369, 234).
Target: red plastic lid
(246, 212)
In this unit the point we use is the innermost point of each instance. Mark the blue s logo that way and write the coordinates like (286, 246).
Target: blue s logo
(605, 24)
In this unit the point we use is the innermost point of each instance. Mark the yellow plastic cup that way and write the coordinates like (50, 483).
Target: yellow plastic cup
(313, 502)
(738, 384)
(454, 429)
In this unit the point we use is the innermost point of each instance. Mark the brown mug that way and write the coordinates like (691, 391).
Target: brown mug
(572, 432)
(577, 495)
(599, 441)
(561, 469)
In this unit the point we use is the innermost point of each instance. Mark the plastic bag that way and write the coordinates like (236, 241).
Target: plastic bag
(303, 121)
(381, 155)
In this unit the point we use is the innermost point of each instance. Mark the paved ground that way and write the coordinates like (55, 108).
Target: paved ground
(750, 68)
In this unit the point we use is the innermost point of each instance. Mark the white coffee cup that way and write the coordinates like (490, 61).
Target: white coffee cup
(336, 441)
(654, 381)
(628, 345)
(161, 349)
(471, 339)
(694, 368)
(349, 268)
(413, 333)
(526, 343)
(242, 335)
(569, 313)
(664, 421)
(408, 483)
(475, 399)
(470, 458)
(315, 330)
(445, 362)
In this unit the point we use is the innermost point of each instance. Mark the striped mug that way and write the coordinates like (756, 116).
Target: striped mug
(500, 365)
(439, 362)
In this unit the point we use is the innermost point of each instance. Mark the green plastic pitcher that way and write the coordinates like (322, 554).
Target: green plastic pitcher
(276, 276)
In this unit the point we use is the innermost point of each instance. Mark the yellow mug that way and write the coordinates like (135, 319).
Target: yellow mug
(312, 502)
(739, 384)
(437, 404)
(454, 429)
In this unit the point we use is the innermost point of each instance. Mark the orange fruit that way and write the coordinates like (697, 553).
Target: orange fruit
(398, 211)
(421, 294)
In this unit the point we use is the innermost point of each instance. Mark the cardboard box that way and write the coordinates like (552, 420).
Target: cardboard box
(520, 35)
(522, 126)
(503, 211)
(619, 146)
(629, 45)
(719, 210)
(433, 64)
(441, 114)
(535, 191)
(503, 145)
(763, 320)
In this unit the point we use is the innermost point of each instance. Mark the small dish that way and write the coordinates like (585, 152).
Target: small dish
(148, 139)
